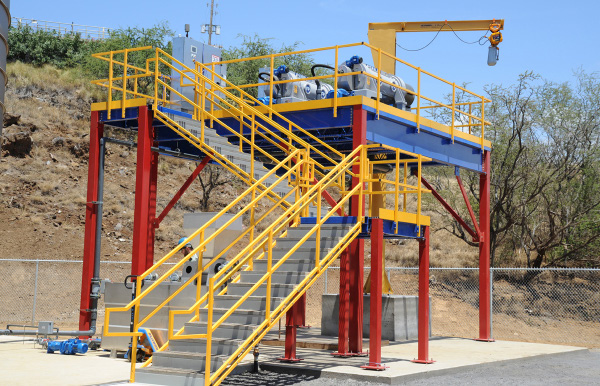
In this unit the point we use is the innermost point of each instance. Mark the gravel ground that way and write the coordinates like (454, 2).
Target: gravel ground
(581, 368)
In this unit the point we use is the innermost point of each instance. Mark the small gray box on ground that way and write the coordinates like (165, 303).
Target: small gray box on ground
(399, 319)
(45, 328)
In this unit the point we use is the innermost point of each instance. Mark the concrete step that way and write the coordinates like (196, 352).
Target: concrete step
(219, 346)
(225, 330)
(186, 360)
(288, 243)
(326, 231)
(277, 290)
(252, 303)
(278, 277)
(302, 253)
(290, 265)
(239, 316)
(157, 375)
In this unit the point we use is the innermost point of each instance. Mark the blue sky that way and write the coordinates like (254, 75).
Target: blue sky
(552, 38)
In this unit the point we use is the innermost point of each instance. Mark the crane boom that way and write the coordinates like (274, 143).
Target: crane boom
(383, 35)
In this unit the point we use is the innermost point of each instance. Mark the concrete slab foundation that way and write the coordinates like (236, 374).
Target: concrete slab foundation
(451, 355)
(399, 316)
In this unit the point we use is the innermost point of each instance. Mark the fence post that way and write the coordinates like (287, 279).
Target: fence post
(325, 284)
(491, 303)
(37, 269)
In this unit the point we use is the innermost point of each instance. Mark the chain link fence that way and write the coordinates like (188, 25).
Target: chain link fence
(552, 305)
(559, 306)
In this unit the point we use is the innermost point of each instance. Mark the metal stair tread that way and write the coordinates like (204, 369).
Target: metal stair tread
(249, 297)
(214, 339)
(224, 324)
(240, 310)
(168, 370)
(284, 285)
(188, 354)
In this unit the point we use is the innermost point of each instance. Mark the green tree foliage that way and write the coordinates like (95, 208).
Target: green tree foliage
(545, 172)
(45, 47)
(40, 47)
(246, 72)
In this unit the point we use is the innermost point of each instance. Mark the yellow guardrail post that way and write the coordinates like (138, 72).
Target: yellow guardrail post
(335, 83)
(156, 78)
(124, 84)
(318, 240)
(470, 117)
(396, 193)
(209, 330)
(419, 197)
(482, 121)
(377, 102)
(270, 273)
(199, 268)
(419, 100)
(110, 85)
(453, 111)
(271, 91)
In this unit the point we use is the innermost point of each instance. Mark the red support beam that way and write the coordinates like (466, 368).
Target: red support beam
(356, 248)
(152, 210)
(291, 320)
(375, 298)
(302, 312)
(450, 210)
(423, 319)
(89, 241)
(143, 219)
(468, 203)
(181, 190)
(343, 321)
(485, 327)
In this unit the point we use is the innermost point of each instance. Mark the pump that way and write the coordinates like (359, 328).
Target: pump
(364, 85)
(300, 91)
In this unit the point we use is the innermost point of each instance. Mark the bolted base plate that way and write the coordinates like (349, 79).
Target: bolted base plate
(375, 366)
(290, 360)
(423, 361)
(484, 340)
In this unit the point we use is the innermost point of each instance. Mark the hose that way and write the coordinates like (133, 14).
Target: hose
(312, 71)
(275, 78)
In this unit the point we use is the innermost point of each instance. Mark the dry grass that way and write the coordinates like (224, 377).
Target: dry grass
(48, 77)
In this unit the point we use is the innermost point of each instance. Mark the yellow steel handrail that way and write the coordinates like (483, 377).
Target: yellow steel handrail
(212, 90)
(452, 106)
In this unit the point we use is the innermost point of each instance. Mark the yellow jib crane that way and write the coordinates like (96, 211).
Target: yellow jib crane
(383, 35)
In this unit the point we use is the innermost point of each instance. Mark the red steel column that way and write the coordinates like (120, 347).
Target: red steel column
(376, 281)
(343, 321)
(89, 241)
(143, 219)
(152, 210)
(423, 318)
(356, 249)
(484, 251)
(302, 312)
(291, 320)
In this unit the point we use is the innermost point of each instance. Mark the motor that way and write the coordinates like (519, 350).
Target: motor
(300, 91)
(363, 84)
(67, 347)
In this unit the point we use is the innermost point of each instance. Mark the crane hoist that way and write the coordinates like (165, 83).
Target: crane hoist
(383, 35)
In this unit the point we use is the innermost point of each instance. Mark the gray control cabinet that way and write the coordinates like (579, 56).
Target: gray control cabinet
(189, 51)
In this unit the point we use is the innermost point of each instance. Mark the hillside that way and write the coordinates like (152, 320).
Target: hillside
(44, 176)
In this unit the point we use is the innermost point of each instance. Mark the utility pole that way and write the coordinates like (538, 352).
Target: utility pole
(212, 7)
(211, 28)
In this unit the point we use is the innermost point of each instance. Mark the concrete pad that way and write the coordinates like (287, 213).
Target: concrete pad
(22, 363)
(450, 355)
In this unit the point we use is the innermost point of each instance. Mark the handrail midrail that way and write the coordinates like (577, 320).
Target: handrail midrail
(452, 106)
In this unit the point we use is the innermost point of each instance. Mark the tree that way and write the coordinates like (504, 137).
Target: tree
(545, 168)
(246, 72)
(211, 179)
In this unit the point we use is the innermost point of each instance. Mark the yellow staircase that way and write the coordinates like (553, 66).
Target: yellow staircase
(280, 258)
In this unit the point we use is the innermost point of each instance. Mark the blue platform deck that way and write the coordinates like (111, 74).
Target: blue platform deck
(395, 128)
